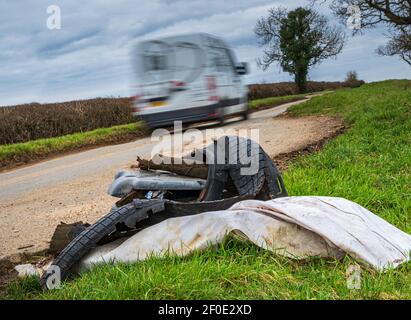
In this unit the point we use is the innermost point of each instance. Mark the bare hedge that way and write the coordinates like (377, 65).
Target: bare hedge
(32, 121)
(265, 90)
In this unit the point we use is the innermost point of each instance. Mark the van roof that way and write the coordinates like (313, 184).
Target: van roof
(186, 34)
(193, 36)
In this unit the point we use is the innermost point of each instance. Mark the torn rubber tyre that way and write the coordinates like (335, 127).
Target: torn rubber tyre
(230, 163)
(137, 215)
(130, 214)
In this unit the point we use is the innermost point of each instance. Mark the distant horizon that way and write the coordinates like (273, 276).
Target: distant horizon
(130, 96)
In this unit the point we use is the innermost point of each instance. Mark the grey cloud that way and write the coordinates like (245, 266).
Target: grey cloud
(68, 45)
(92, 54)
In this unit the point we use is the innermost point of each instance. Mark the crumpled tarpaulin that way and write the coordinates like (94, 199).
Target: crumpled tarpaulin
(297, 227)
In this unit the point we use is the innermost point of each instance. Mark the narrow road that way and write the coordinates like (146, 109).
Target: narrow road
(15, 183)
(34, 199)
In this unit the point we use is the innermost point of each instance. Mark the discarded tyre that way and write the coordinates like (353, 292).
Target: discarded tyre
(225, 185)
(265, 182)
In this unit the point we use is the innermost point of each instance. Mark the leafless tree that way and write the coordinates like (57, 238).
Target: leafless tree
(393, 12)
(396, 14)
(398, 45)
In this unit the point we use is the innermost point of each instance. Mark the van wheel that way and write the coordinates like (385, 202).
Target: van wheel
(245, 115)
(221, 119)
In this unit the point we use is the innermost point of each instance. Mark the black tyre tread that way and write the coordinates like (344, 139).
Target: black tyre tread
(235, 148)
(87, 240)
(246, 184)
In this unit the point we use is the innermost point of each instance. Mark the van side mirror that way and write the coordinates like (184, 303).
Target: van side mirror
(242, 68)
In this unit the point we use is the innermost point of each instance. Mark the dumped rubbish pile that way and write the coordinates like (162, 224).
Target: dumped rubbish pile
(148, 197)
(180, 206)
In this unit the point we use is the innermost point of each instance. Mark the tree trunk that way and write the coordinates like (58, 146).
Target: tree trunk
(300, 79)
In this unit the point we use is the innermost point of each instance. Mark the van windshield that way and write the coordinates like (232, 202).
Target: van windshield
(179, 61)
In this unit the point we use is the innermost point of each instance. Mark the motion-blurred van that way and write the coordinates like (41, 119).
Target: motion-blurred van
(193, 77)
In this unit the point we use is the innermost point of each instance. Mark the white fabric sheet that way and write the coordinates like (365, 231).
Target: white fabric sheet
(297, 227)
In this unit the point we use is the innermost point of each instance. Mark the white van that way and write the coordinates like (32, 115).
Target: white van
(191, 78)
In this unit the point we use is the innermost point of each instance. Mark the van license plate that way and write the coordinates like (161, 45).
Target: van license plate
(158, 103)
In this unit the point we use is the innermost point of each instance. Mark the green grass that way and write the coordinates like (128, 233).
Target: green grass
(236, 270)
(27, 151)
(274, 101)
(369, 164)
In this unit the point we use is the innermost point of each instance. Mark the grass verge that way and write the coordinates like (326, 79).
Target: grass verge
(265, 103)
(233, 270)
(22, 153)
(369, 164)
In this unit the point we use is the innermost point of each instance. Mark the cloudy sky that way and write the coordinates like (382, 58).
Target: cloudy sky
(90, 55)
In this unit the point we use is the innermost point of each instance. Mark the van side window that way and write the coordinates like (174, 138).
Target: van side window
(232, 59)
(188, 60)
(221, 60)
(155, 62)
